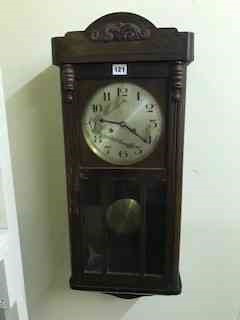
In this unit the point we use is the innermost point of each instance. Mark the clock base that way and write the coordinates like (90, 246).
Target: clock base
(173, 289)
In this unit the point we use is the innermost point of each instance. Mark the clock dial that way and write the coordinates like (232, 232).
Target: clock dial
(122, 123)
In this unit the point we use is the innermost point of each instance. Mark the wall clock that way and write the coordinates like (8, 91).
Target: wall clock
(123, 85)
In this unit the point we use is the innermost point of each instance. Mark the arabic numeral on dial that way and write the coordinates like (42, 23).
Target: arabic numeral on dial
(123, 92)
(92, 124)
(138, 151)
(97, 139)
(106, 96)
(97, 108)
(138, 96)
(154, 123)
(123, 154)
(149, 107)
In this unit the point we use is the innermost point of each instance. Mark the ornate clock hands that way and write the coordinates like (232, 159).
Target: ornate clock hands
(123, 124)
(109, 121)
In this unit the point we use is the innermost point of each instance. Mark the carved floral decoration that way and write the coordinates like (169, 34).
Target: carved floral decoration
(120, 31)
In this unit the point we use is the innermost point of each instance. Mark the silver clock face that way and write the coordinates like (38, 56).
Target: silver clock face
(122, 123)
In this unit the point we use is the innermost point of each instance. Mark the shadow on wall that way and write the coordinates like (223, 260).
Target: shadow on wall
(36, 144)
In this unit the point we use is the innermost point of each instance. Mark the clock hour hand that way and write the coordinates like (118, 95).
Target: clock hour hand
(123, 124)
(109, 121)
(134, 131)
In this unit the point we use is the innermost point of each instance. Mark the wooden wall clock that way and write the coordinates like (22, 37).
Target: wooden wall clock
(123, 90)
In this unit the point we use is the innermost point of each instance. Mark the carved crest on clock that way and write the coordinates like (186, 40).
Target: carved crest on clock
(120, 31)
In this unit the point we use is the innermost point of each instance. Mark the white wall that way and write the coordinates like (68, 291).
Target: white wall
(210, 239)
(10, 251)
(3, 222)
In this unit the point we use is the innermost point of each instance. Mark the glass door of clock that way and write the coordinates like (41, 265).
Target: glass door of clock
(123, 223)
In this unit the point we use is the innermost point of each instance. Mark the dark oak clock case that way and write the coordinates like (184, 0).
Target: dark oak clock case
(146, 261)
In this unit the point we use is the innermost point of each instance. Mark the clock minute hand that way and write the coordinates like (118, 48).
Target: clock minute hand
(133, 131)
